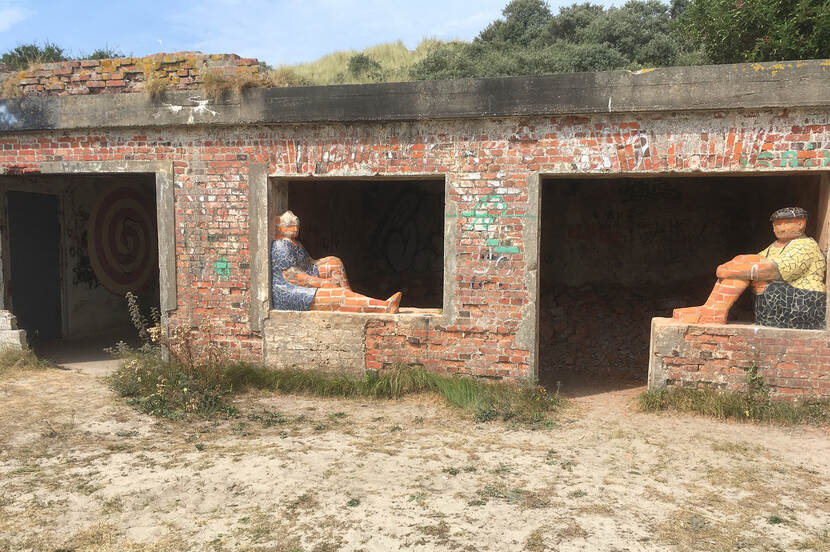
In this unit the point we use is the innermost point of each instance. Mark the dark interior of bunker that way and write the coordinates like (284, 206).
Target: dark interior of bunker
(389, 234)
(73, 246)
(616, 252)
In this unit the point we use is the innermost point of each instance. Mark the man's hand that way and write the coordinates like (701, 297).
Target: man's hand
(749, 268)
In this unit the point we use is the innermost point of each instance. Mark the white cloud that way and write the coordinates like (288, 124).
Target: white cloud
(11, 16)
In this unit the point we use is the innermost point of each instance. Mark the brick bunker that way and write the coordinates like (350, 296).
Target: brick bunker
(536, 225)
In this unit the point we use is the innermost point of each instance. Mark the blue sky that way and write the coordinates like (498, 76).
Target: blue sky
(275, 31)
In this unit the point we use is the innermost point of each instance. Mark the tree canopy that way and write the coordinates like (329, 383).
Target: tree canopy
(730, 31)
(25, 55)
(529, 39)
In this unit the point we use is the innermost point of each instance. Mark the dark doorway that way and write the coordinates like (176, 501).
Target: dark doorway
(389, 234)
(34, 255)
(616, 252)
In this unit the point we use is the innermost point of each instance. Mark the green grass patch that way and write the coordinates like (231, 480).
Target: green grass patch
(17, 360)
(756, 407)
(175, 390)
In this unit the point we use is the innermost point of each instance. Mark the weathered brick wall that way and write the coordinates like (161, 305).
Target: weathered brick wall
(179, 71)
(793, 363)
(491, 213)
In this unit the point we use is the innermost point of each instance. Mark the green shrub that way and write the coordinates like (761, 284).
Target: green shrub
(171, 389)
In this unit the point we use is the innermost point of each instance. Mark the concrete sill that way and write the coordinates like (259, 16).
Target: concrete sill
(405, 313)
(734, 326)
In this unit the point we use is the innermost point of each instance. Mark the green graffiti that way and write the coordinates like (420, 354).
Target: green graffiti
(826, 155)
(483, 212)
(763, 159)
(222, 268)
(790, 157)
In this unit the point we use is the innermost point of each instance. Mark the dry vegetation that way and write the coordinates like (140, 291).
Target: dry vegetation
(82, 471)
(388, 62)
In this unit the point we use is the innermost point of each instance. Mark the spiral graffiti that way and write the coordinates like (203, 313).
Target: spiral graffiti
(122, 240)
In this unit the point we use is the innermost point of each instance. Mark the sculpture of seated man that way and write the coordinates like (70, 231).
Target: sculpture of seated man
(301, 283)
(787, 278)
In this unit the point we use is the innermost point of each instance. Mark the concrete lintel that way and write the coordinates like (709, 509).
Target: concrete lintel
(787, 84)
(165, 211)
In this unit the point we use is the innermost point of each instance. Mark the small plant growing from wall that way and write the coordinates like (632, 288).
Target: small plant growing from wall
(216, 85)
(155, 87)
(755, 382)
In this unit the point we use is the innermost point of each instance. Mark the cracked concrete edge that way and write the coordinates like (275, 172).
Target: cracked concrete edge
(450, 252)
(258, 240)
(527, 334)
(666, 339)
(165, 212)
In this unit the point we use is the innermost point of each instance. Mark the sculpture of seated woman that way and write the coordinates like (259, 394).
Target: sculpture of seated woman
(787, 278)
(301, 283)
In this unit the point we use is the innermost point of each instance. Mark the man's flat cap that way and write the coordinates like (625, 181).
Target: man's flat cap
(789, 212)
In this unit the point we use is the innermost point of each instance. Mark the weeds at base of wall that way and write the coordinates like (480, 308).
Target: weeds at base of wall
(755, 407)
(16, 360)
(200, 381)
(175, 390)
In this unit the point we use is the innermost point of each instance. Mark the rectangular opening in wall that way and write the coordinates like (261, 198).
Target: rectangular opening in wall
(389, 234)
(73, 246)
(616, 252)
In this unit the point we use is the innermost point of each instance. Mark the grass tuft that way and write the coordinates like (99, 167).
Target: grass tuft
(17, 360)
(155, 87)
(756, 407)
(215, 85)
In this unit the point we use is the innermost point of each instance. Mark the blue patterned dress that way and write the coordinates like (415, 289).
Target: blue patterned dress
(284, 295)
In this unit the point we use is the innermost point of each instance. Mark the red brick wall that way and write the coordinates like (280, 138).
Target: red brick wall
(487, 163)
(793, 363)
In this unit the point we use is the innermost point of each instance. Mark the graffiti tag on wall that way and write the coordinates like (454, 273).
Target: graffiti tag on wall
(488, 224)
(624, 149)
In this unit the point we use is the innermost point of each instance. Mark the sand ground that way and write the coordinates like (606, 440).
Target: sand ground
(81, 470)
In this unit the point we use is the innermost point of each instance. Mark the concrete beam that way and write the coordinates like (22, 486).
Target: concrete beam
(789, 84)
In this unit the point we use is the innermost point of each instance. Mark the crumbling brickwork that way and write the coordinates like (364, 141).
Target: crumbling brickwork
(180, 71)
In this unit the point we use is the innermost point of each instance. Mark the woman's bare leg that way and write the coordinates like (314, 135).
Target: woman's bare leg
(332, 268)
(346, 300)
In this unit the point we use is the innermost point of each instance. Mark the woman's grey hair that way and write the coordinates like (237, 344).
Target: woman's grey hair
(289, 219)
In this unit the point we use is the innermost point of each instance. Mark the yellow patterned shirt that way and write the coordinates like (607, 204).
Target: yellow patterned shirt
(800, 263)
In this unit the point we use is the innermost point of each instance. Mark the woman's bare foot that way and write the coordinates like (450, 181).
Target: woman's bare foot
(394, 303)
(700, 315)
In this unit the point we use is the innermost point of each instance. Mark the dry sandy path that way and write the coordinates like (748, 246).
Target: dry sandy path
(80, 470)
